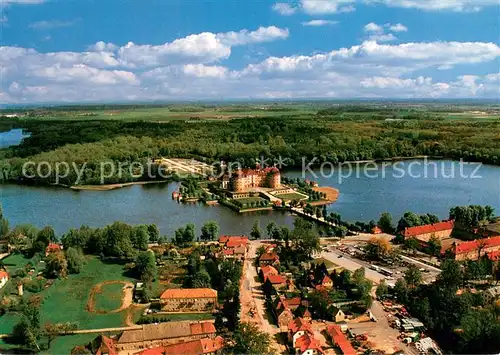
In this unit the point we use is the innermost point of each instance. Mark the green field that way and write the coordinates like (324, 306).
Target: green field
(72, 294)
(109, 298)
(64, 344)
(292, 197)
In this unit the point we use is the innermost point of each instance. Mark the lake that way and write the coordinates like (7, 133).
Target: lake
(12, 137)
(363, 196)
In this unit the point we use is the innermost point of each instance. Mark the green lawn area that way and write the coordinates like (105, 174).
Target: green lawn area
(8, 321)
(66, 300)
(110, 297)
(249, 199)
(291, 197)
(64, 344)
(19, 261)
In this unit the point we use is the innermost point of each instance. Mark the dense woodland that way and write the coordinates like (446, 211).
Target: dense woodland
(334, 135)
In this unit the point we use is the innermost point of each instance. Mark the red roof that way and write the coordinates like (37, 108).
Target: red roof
(428, 228)
(228, 251)
(189, 293)
(340, 340)
(53, 247)
(4, 274)
(195, 347)
(494, 255)
(268, 270)
(308, 342)
(202, 328)
(269, 257)
(225, 238)
(467, 247)
(276, 279)
(107, 346)
(300, 324)
(236, 242)
(326, 280)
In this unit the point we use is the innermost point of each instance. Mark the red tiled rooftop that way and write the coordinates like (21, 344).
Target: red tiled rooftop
(235, 242)
(308, 342)
(195, 347)
(3, 274)
(467, 247)
(299, 324)
(228, 251)
(428, 228)
(225, 238)
(107, 346)
(202, 328)
(276, 279)
(269, 257)
(340, 340)
(189, 293)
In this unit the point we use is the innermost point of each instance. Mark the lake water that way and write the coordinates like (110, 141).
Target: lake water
(12, 137)
(361, 198)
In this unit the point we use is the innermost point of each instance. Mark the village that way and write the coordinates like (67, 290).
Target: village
(351, 291)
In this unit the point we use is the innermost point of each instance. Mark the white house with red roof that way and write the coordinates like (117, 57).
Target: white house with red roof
(4, 277)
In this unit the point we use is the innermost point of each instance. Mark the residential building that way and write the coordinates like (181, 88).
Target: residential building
(337, 314)
(244, 179)
(441, 230)
(327, 282)
(278, 281)
(162, 334)
(283, 317)
(297, 328)
(340, 340)
(4, 277)
(266, 271)
(307, 344)
(52, 248)
(269, 258)
(205, 346)
(472, 250)
(103, 345)
(303, 312)
(189, 300)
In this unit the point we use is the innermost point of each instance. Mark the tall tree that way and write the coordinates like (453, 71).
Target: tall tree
(154, 233)
(210, 230)
(434, 245)
(146, 266)
(255, 233)
(248, 339)
(413, 277)
(75, 259)
(385, 223)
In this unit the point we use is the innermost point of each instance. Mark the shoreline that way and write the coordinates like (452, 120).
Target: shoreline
(332, 195)
(108, 187)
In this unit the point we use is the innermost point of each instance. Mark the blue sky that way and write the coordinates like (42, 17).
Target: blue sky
(246, 49)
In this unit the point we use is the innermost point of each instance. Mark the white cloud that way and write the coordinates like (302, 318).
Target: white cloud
(181, 69)
(102, 47)
(46, 25)
(284, 9)
(318, 7)
(439, 5)
(317, 23)
(397, 27)
(262, 34)
(387, 37)
(373, 28)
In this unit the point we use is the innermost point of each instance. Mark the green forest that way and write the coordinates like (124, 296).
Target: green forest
(335, 135)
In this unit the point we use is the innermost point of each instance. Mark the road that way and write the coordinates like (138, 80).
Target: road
(252, 298)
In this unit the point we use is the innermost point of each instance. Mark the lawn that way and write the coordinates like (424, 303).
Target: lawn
(66, 300)
(292, 196)
(64, 344)
(18, 261)
(109, 298)
(8, 321)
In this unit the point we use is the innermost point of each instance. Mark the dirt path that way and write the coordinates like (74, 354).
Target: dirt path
(127, 297)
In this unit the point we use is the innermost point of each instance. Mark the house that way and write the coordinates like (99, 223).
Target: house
(339, 340)
(103, 345)
(283, 317)
(189, 300)
(266, 271)
(337, 314)
(327, 282)
(230, 241)
(162, 334)
(205, 346)
(234, 247)
(4, 277)
(441, 230)
(278, 281)
(269, 258)
(473, 249)
(307, 344)
(303, 312)
(297, 328)
(52, 248)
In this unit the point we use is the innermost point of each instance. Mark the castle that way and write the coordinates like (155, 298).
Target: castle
(244, 179)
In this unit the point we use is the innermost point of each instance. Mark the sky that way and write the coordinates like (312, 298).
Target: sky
(68, 51)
